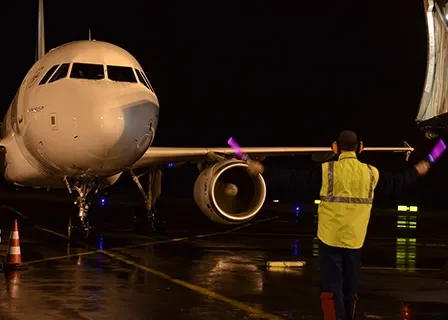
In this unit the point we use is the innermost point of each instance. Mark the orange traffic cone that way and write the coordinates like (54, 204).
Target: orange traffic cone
(14, 257)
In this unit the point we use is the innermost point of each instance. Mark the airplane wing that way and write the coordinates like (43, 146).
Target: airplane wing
(161, 155)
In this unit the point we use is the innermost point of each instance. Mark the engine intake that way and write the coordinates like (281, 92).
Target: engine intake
(228, 194)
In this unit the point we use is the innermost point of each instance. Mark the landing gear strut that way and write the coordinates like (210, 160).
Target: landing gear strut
(80, 227)
(150, 221)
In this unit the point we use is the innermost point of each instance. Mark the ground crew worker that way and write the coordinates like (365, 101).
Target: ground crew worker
(347, 187)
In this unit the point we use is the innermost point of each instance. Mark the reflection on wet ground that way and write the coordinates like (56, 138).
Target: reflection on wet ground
(222, 274)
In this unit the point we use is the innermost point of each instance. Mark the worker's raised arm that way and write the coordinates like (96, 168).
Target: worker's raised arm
(308, 180)
(393, 184)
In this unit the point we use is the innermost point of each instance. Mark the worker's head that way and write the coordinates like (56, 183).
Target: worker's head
(347, 142)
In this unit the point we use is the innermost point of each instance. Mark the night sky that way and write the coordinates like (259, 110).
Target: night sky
(269, 73)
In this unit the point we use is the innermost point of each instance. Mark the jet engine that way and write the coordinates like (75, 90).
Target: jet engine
(228, 194)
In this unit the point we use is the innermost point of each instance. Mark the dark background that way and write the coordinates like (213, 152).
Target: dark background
(269, 73)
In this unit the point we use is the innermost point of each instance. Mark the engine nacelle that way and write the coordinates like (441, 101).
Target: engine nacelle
(228, 194)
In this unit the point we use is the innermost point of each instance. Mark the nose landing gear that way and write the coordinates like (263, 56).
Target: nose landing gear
(79, 227)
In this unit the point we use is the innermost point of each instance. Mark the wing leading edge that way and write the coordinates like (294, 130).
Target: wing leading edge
(160, 155)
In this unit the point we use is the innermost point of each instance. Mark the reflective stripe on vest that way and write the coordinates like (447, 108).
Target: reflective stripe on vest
(331, 198)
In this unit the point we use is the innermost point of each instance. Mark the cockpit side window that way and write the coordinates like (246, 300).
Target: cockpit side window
(87, 71)
(142, 78)
(121, 74)
(61, 73)
(147, 81)
(48, 74)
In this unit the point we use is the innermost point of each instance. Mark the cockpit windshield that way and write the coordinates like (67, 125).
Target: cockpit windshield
(61, 73)
(121, 74)
(48, 74)
(87, 71)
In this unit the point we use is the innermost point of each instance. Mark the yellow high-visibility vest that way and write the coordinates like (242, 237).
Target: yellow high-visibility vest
(346, 199)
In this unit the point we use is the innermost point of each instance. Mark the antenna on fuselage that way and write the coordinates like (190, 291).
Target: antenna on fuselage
(40, 32)
(90, 34)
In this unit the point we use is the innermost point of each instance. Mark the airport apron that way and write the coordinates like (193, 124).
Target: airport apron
(346, 199)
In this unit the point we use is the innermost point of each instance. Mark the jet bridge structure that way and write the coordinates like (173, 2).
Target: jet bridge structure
(432, 117)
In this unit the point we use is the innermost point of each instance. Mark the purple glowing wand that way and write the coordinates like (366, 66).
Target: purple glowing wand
(235, 146)
(437, 151)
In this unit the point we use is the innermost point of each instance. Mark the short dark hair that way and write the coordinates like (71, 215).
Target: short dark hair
(348, 140)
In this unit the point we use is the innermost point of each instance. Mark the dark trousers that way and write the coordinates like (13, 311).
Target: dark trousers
(340, 270)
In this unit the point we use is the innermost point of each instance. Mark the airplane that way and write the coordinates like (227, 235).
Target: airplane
(432, 117)
(85, 113)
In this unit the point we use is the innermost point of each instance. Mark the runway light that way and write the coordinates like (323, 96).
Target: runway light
(275, 201)
(101, 244)
(316, 201)
(170, 165)
(406, 208)
(103, 201)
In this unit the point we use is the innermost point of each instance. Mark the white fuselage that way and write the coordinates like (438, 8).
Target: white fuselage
(94, 116)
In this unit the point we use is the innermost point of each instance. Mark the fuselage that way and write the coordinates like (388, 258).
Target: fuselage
(85, 108)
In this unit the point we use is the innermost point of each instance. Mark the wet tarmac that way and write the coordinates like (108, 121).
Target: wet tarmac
(198, 270)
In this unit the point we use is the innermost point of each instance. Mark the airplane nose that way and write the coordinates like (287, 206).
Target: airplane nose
(125, 132)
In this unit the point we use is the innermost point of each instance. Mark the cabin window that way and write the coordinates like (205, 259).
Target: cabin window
(121, 74)
(48, 74)
(87, 71)
(61, 73)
